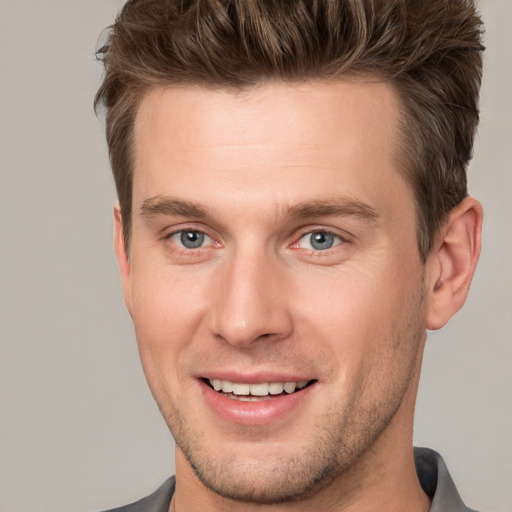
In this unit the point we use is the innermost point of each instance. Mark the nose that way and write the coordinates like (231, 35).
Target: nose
(251, 302)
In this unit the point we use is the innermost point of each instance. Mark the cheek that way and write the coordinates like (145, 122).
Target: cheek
(165, 300)
(167, 310)
(347, 304)
(360, 315)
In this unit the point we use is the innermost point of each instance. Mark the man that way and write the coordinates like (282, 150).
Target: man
(293, 218)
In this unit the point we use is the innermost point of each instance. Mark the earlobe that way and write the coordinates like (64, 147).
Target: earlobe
(453, 262)
(122, 258)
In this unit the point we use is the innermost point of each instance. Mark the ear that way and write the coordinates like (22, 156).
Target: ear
(122, 258)
(453, 262)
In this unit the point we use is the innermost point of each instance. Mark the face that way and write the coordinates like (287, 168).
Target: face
(274, 281)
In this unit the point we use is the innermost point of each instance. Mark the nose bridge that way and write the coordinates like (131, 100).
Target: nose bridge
(249, 301)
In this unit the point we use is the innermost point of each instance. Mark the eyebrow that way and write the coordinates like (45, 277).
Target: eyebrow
(164, 205)
(338, 207)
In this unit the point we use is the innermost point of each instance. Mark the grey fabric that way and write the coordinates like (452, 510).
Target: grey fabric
(159, 501)
(432, 473)
(437, 482)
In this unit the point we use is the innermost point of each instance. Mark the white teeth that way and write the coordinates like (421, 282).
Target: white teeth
(289, 387)
(227, 387)
(241, 389)
(276, 388)
(260, 389)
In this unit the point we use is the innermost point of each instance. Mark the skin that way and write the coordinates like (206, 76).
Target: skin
(257, 300)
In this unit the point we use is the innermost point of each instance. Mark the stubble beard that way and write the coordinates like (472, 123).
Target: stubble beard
(341, 439)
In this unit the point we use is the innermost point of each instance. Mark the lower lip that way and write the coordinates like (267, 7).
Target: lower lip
(261, 412)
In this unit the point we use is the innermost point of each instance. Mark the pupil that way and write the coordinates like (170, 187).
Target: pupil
(192, 239)
(322, 241)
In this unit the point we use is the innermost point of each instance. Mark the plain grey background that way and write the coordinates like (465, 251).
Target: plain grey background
(78, 427)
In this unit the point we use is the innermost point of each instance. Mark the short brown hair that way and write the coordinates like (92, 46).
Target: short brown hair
(430, 50)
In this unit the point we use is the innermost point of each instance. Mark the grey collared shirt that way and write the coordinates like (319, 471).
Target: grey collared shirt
(437, 482)
(432, 473)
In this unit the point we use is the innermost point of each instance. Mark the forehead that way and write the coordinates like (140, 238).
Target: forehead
(269, 112)
(324, 134)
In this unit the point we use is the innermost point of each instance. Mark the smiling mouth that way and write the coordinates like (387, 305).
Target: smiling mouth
(256, 392)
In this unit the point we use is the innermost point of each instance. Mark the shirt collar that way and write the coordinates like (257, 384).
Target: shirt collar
(437, 482)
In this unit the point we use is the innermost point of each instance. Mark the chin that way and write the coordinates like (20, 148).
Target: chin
(281, 480)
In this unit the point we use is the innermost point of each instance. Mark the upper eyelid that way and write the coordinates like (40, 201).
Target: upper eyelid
(181, 230)
(342, 240)
(343, 235)
(321, 230)
(167, 238)
(169, 231)
(325, 231)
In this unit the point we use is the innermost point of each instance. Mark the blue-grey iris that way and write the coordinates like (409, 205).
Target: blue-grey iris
(192, 239)
(321, 240)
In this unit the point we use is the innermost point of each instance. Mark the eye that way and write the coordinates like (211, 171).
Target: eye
(190, 239)
(319, 240)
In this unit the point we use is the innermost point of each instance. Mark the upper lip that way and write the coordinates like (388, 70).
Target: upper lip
(256, 377)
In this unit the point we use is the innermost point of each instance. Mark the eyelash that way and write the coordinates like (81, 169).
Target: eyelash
(182, 231)
(337, 241)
